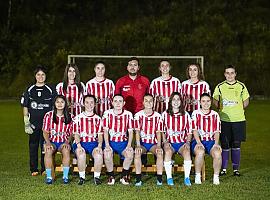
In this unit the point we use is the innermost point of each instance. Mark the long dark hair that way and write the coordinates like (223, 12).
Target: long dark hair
(77, 77)
(200, 72)
(67, 116)
(181, 108)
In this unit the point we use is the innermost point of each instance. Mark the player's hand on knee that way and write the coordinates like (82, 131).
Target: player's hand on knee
(48, 147)
(138, 150)
(28, 127)
(159, 150)
(98, 150)
(200, 146)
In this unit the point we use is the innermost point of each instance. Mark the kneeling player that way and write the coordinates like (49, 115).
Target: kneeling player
(177, 124)
(57, 125)
(148, 127)
(206, 130)
(116, 123)
(88, 139)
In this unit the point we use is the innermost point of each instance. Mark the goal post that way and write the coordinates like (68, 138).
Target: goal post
(199, 59)
(116, 65)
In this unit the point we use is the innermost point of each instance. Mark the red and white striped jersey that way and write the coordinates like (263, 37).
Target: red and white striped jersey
(103, 91)
(88, 127)
(206, 124)
(176, 126)
(162, 89)
(73, 96)
(148, 125)
(117, 125)
(191, 93)
(59, 132)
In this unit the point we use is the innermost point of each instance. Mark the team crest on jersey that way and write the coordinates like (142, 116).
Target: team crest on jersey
(39, 94)
(33, 105)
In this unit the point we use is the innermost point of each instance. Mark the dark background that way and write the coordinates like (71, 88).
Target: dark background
(45, 32)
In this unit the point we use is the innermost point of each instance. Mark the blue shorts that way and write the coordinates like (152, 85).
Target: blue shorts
(147, 146)
(207, 145)
(177, 146)
(118, 147)
(88, 146)
(57, 145)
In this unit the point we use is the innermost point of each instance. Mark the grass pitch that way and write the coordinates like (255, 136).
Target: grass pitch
(16, 182)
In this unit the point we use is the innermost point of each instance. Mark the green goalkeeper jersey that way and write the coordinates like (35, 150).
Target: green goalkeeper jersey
(231, 97)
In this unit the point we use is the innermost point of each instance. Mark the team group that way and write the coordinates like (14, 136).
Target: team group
(164, 117)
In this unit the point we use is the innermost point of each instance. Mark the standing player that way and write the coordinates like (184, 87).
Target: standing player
(102, 88)
(177, 126)
(88, 139)
(231, 97)
(116, 123)
(36, 101)
(148, 127)
(72, 88)
(57, 128)
(194, 87)
(133, 86)
(206, 131)
(162, 87)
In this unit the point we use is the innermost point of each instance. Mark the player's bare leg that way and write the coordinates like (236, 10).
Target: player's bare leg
(65, 150)
(159, 162)
(138, 164)
(199, 159)
(48, 160)
(81, 159)
(129, 155)
(108, 160)
(185, 152)
(168, 162)
(98, 162)
(216, 155)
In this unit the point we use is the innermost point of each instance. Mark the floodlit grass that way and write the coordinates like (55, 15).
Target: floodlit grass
(16, 182)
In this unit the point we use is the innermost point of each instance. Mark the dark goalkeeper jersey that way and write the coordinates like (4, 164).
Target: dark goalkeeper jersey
(38, 100)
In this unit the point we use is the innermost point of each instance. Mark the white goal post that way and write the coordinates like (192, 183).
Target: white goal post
(199, 59)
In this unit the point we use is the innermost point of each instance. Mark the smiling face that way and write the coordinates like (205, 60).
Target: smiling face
(133, 67)
(40, 77)
(99, 70)
(205, 103)
(230, 75)
(71, 73)
(164, 67)
(59, 103)
(89, 104)
(193, 71)
(118, 103)
(148, 102)
(176, 102)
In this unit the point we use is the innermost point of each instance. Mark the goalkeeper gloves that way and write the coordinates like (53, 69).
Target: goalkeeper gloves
(28, 127)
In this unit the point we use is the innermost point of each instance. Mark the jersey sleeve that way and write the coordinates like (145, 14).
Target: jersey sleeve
(59, 88)
(130, 122)
(105, 120)
(118, 86)
(218, 124)
(46, 123)
(245, 94)
(152, 90)
(207, 88)
(137, 125)
(188, 124)
(216, 94)
(194, 121)
(25, 99)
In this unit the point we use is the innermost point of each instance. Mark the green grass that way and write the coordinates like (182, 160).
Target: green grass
(16, 183)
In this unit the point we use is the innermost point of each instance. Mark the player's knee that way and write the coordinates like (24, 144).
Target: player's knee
(236, 144)
(108, 156)
(216, 153)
